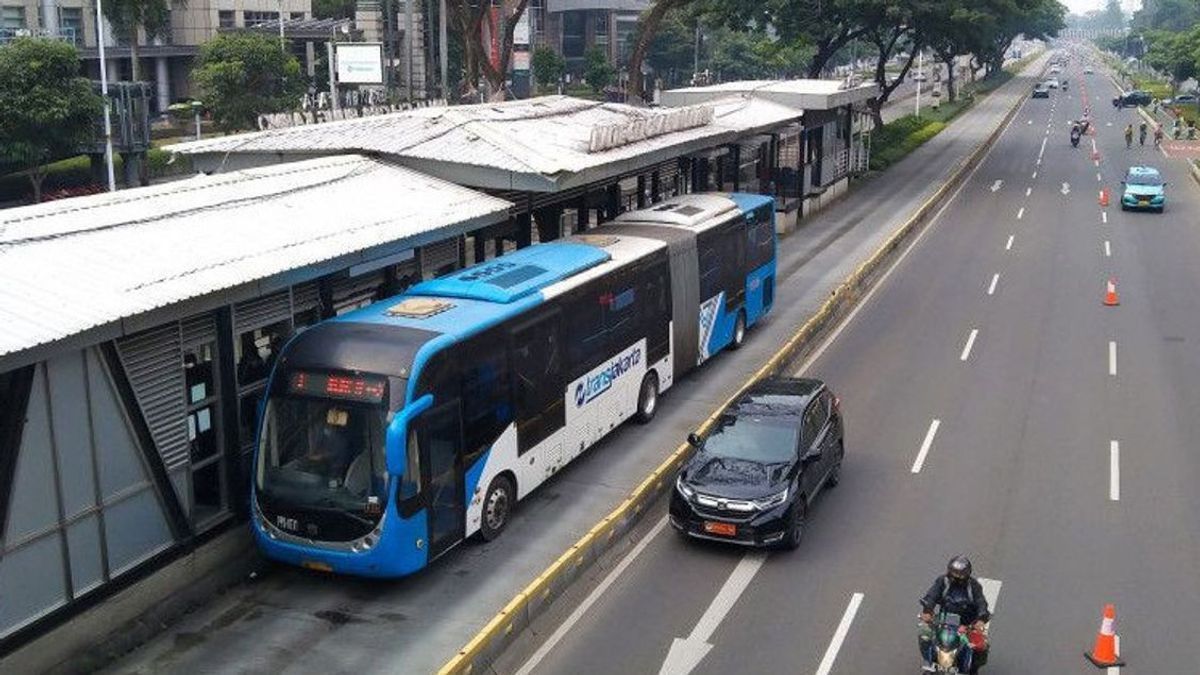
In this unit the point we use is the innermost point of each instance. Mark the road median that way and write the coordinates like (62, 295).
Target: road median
(477, 655)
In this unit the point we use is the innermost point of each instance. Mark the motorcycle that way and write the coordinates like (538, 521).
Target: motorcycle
(953, 645)
(1075, 138)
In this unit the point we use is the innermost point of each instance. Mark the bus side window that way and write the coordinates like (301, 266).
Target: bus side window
(710, 267)
(621, 319)
(586, 342)
(487, 406)
(538, 386)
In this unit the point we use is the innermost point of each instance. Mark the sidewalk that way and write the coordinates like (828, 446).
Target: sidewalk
(294, 621)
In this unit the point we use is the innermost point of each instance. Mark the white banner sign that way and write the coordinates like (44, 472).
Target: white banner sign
(359, 62)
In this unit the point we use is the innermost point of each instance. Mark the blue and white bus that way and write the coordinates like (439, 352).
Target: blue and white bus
(394, 432)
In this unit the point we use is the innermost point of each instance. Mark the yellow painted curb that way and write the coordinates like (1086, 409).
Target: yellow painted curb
(842, 298)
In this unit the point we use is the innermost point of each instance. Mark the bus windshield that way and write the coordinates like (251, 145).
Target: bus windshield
(321, 453)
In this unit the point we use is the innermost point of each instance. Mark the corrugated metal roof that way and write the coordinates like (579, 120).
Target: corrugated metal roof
(544, 140)
(72, 265)
(809, 94)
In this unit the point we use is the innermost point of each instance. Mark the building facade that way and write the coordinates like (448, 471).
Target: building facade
(164, 60)
(572, 27)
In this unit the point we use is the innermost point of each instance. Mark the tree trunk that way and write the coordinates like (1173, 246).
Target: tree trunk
(134, 70)
(950, 93)
(635, 89)
(886, 45)
(37, 174)
(828, 47)
(497, 74)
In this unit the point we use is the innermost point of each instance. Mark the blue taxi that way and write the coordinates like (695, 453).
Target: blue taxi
(1144, 189)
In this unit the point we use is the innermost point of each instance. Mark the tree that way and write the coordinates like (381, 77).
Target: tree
(244, 75)
(648, 24)
(469, 16)
(548, 67)
(128, 16)
(1113, 16)
(46, 110)
(890, 26)
(597, 71)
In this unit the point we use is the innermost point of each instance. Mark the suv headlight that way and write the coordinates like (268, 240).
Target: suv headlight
(772, 501)
(684, 488)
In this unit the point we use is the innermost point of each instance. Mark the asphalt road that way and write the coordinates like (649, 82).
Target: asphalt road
(291, 621)
(1019, 473)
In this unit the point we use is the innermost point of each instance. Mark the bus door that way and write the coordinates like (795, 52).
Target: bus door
(439, 431)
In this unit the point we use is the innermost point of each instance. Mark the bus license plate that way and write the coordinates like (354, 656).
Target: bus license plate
(723, 529)
(316, 566)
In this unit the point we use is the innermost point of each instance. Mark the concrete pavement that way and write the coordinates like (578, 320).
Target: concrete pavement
(1020, 473)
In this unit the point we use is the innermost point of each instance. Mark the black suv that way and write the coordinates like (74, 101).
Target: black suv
(1132, 98)
(752, 480)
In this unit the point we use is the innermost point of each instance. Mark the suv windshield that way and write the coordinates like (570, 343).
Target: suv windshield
(1144, 179)
(322, 453)
(757, 439)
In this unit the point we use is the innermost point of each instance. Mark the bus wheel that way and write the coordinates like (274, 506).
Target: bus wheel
(647, 398)
(739, 331)
(497, 507)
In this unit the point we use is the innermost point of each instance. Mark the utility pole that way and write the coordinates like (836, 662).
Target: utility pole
(282, 40)
(920, 75)
(389, 48)
(444, 50)
(108, 145)
(408, 48)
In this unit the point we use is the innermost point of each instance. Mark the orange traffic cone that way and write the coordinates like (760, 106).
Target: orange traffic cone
(1104, 197)
(1104, 653)
(1110, 293)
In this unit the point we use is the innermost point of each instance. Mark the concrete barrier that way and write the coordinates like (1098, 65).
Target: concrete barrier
(477, 655)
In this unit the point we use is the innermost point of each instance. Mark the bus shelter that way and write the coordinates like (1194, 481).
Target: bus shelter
(137, 330)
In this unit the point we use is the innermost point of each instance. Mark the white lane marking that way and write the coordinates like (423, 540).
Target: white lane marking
(1008, 246)
(1020, 212)
(1028, 191)
(590, 600)
(1096, 162)
(1112, 357)
(925, 445)
(1104, 217)
(1093, 145)
(992, 286)
(1066, 189)
(996, 185)
(1034, 176)
(966, 352)
(686, 653)
(866, 299)
(1114, 471)
(839, 635)
(1098, 178)
(1029, 122)
(1107, 249)
(991, 591)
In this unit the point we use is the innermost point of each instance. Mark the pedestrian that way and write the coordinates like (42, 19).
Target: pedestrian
(1142, 133)
(1158, 135)
(1128, 136)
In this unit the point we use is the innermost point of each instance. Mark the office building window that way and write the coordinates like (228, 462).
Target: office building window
(12, 17)
(70, 21)
(255, 18)
(225, 19)
(574, 34)
(600, 28)
(296, 16)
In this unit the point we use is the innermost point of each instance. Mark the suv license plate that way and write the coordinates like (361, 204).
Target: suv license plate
(723, 529)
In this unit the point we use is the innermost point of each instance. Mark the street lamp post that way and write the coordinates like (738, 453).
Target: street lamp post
(108, 144)
(196, 107)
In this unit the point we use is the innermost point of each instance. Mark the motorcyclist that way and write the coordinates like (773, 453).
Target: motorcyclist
(957, 592)
(1076, 132)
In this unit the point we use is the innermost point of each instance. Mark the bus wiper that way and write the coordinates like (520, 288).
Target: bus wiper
(329, 506)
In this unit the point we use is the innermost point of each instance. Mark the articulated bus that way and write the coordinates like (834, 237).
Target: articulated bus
(394, 432)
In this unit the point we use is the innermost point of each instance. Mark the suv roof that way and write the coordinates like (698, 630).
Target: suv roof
(782, 396)
(1143, 171)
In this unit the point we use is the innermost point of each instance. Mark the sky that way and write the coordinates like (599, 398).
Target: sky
(1083, 6)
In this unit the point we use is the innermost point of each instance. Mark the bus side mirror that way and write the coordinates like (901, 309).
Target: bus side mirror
(693, 440)
(396, 449)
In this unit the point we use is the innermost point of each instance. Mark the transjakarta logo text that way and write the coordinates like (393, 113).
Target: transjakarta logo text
(597, 384)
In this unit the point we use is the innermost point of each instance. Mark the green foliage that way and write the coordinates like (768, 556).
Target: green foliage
(597, 71)
(46, 110)
(548, 66)
(244, 75)
(333, 9)
(1169, 15)
(75, 172)
(154, 16)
